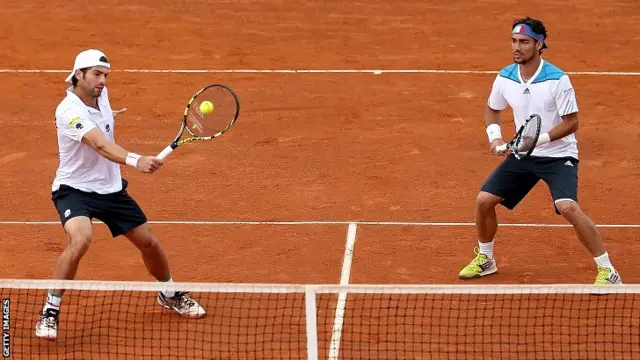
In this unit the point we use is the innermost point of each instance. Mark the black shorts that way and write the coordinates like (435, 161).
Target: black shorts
(513, 179)
(117, 210)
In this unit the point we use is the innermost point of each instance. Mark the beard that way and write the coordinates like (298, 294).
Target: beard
(522, 60)
(93, 91)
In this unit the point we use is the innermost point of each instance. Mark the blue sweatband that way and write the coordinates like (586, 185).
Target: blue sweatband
(525, 29)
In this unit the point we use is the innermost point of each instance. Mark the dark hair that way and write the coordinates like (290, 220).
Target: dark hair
(74, 79)
(536, 25)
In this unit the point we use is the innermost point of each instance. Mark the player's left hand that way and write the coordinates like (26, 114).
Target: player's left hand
(149, 164)
(118, 112)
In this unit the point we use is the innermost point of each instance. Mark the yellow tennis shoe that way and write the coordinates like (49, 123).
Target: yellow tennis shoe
(481, 265)
(607, 276)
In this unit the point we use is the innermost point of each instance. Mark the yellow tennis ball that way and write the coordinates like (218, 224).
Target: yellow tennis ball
(206, 107)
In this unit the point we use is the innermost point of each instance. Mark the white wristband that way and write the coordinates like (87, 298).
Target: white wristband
(543, 139)
(494, 132)
(132, 159)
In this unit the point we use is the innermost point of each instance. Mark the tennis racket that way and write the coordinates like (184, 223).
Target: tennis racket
(526, 138)
(208, 115)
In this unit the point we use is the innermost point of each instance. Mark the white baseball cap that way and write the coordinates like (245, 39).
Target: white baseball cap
(89, 58)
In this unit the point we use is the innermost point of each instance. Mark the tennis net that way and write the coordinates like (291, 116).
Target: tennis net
(122, 320)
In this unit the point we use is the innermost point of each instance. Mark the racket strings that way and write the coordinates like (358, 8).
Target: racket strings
(193, 120)
(201, 123)
(195, 124)
(529, 136)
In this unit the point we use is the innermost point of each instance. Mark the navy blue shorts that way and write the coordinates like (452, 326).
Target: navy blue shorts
(117, 210)
(513, 179)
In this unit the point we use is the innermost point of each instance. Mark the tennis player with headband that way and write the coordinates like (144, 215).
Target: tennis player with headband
(88, 184)
(533, 85)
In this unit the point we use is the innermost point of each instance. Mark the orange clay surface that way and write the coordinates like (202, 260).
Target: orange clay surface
(326, 146)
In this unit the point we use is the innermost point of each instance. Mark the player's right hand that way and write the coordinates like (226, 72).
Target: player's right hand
(149, 164)
(494, 144)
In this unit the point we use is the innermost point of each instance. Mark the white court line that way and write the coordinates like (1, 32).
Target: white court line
(338, 320)
(319, 71)
(320, 222)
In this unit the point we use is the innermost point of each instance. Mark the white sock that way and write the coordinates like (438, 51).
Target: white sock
(486, 248)
(603, 261)
(169, 293)
(53, 302)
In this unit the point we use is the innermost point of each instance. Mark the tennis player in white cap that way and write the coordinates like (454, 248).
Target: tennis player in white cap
(88, 184)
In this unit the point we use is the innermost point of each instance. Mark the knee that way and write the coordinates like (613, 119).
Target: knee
(145, 241)
(150, 244)
(78, 245)
(568, 209)
(487, 201)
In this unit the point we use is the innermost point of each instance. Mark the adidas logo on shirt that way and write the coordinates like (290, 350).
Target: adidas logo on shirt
(526, 91)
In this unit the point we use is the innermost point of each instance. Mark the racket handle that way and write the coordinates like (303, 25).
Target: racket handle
(501, 148)
(164, 153)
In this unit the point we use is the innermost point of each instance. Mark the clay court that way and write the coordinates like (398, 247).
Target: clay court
(313, 152)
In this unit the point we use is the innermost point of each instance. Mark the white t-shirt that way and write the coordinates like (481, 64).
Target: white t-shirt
(548, 93)
(82, 167)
